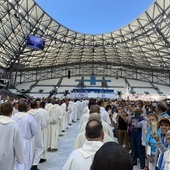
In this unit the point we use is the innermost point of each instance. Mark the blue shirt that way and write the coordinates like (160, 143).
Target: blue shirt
(163, 115)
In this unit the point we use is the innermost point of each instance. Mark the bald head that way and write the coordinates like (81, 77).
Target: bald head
(95, 116)
(94, 130)
(94, 108)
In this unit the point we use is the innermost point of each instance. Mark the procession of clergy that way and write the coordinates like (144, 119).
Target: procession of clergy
(40, 123)
(29, 129)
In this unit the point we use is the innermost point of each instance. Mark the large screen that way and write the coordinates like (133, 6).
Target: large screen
(35, 42)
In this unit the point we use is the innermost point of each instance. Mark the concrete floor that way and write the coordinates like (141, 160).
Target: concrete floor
(56, 160)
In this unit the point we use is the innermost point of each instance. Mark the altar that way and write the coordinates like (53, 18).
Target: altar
(92, 95)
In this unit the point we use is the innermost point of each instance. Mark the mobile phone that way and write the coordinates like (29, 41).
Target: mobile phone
(154, 126)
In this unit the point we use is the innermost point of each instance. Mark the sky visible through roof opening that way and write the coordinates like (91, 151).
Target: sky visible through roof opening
(94, 16)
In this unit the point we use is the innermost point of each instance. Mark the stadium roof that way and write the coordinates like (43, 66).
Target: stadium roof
(142, 44)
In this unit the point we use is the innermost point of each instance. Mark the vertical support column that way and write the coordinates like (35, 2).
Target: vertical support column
(20, 76)
(36, 74)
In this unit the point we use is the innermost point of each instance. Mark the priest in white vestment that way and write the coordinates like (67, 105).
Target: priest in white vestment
(85, 110)
(75, 111)
(55, 114)
(71, 112)
(38, 145)
(79, 109)
(48, 105)
(81, 159)
(81, 138)
(85, 107)
(47, 108)
(44, 131)
(106, 128)
(15, 108)
(28, 127)
(11, 143)
(104, 114)
(64, 121)
(84, 118)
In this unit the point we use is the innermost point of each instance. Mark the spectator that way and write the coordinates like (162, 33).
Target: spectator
(161, 110)
(164, 161)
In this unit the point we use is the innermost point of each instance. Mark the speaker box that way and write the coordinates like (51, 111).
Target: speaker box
(68, 74)
(119, 93)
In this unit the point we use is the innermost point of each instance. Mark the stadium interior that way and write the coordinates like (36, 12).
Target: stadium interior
(133, 60)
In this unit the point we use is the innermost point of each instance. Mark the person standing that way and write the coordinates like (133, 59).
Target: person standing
(85, 116)
(164, 160)
(141, 106)
(11, 143)
(81, 138)
(64, 122)
(47, 108)
(161, 110)
(138, 138)
(55, 114)
(15, 108)
(28, 127)
(122, 120)
(44, 131)
(81, 159)
(151, 148)
(38, 145)
(104, 114)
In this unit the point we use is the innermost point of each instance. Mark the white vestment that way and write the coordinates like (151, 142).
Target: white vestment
(38, 145)
(105, 115)
(106, 128)
(14, 111)
(85, 110)
(75, 111)
(55, 114)
(84, 118)
(81, 159)
(28, 127)
(11, 143)
(85, 106)
(64, 117)
(45, 131)
(79, 109)
(71, 112)
(81, 138)
(47, 108)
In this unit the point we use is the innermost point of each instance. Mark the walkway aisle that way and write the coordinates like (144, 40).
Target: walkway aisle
(56, 160)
